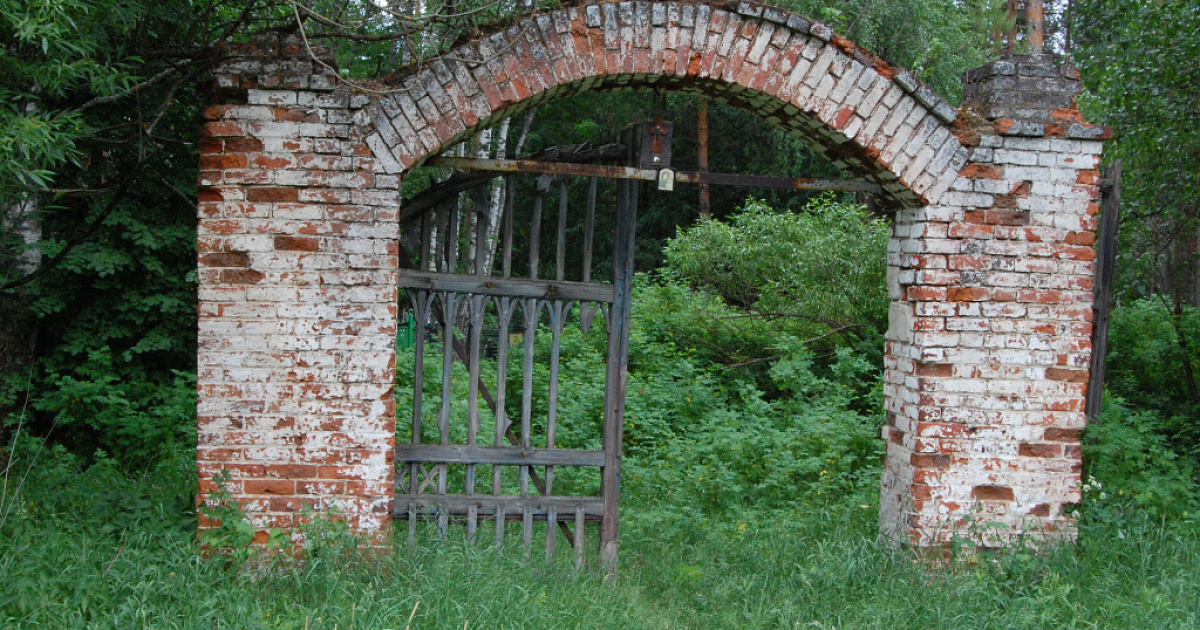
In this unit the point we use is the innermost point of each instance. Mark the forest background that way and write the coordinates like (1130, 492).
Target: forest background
(752, 446)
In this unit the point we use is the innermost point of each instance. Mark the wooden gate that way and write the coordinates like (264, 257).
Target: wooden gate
(446, 478)
(493, 458)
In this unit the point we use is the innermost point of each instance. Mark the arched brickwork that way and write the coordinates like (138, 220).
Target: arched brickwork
(989, 263)
(875, 121)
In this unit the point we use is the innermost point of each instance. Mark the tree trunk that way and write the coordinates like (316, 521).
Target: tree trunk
(18, 322)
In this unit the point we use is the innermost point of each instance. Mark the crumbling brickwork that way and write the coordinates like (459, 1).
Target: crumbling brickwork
(990, 261)
(297, 269)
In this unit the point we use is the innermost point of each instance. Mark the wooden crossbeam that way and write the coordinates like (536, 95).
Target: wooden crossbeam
(650, 174)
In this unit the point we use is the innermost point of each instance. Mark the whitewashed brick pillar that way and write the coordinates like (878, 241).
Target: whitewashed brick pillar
(991, 328)
(297, 272)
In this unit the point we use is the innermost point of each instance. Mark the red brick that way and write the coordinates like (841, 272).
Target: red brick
(225, 259)
(966, 294)
(936, 461)
(272, 194)
(296, 244)
(1039, 450)
(222, 161)
(292, 471)
(243, 145)
(1067, 375)
(241, 276)
(1055, 434)
(269, 486)
(992, 493)
(982, 171)
(933, 369)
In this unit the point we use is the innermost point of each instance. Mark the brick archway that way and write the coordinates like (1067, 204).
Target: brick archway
(873, 120)
(989, 264)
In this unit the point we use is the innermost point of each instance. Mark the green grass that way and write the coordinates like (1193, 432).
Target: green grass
(98, 549)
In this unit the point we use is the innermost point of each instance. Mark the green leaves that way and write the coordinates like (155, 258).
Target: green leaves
(822, 268)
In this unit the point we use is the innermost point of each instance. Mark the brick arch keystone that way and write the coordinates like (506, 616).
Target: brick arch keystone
(990, 264)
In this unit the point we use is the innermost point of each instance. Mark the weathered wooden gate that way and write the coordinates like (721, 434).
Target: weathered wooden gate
(496, 432)
(442, 469)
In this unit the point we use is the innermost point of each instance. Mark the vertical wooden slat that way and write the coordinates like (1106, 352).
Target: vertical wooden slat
(587, 311)
(578, 542)
(499, 527)
(421, 312)
(510, 190)
(535, 231)
(560, 254)
(589, 230)
(504, 313)
(556, 309)
(616, 373)
(425, 236)
(1102, 302)
(438, 237)
(477, 304)
(452, 230)
(449, 308)
(481, 244)
(530, 309)
(527, 529)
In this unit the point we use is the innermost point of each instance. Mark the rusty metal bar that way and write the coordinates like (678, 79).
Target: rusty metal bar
(649, 174)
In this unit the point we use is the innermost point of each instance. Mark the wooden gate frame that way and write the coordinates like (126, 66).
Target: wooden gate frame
(531, 295)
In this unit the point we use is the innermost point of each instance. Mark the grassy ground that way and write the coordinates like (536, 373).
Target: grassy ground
(100, 550)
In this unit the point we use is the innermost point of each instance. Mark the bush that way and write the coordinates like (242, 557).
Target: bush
(1126, 450)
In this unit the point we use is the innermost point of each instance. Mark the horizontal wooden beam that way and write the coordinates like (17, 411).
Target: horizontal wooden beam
(497, 455)
(441, 191)
(429, 506)
(505, 287)
(650, 174)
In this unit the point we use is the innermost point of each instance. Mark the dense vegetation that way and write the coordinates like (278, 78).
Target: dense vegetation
(753, 455)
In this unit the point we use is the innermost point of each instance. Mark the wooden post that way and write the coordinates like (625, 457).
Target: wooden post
(616, 373)
(1106, 259)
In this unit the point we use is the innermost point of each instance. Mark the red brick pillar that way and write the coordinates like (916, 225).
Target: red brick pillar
(990, 332)
(297, 274)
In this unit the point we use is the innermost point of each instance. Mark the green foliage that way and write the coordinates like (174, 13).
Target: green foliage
(107, 86)
(766, 569)
(938, 40)
(1146, 369)
(1128, 452)
(1138, 61)
(53, 50)
(740, 451)
(819, 274)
